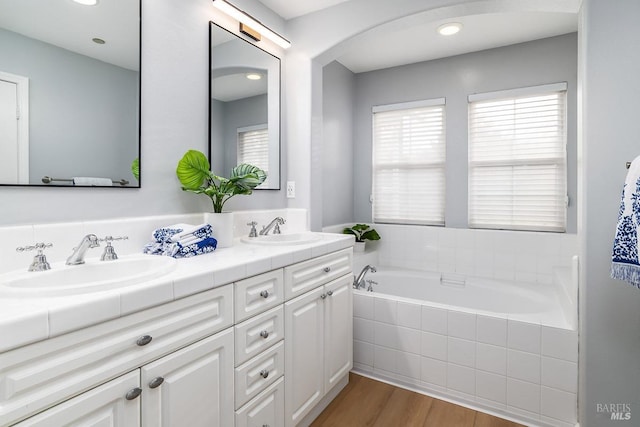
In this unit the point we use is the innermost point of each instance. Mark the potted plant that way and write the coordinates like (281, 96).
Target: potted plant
(194, 174)
(363, 233)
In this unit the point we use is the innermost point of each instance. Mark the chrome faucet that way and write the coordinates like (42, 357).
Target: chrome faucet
(359, 281)
(87, 242)
(275, 224)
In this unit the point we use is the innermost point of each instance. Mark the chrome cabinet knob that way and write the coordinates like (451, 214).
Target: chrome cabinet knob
(264, 334)
(264, 294)
(264, 373)
(323, 296)
(330, 293)
(144, 340)
(156, 382)
(326, 269)
(133, 393)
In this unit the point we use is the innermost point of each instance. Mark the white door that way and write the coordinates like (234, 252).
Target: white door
(304, 377)
(14, 129)
(191, 387)
(103, 406)
(338, 331)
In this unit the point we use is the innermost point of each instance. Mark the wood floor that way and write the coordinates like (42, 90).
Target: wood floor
(366, 402)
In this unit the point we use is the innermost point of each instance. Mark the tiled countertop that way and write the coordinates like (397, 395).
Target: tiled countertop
(27, 320)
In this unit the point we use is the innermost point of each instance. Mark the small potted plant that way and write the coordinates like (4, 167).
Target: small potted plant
(363, 233)
(194, 174)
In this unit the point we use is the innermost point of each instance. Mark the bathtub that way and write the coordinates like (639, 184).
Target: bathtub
(496, 346)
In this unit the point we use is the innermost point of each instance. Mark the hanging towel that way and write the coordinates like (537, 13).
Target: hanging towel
(625, 263)
(92, 181)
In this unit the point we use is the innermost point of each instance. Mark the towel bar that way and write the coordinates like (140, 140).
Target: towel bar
(48, 180)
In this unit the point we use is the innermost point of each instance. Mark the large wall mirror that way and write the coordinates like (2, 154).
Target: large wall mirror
(72, 71)
(244, 106)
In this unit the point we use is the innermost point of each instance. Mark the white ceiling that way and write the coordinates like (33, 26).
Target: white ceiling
(421, 42)
(71, 26)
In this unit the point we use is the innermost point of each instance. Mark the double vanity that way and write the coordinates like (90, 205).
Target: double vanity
(256, 334)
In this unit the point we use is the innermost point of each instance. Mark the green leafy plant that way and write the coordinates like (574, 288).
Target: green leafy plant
(362, 232)
(135, 168)
(195, 175)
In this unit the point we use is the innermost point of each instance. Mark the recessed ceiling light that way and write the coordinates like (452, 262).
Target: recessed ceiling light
(253, 76)
(449, 29)
(98, 41)
(87, 2)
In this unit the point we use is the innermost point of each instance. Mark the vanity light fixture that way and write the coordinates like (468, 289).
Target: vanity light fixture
(449, 29)
(253, 76)
(254, 27)
(87, 2)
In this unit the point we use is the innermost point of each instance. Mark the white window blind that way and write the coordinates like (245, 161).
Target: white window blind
(408, 163)
(253, 147)
(517, 159)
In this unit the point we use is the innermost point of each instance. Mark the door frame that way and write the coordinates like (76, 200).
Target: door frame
(22, 90)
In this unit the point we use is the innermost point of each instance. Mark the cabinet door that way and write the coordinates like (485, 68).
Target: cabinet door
(304, 379)
(191, 387)
(105, 405)
(338, 331)
(266, 409)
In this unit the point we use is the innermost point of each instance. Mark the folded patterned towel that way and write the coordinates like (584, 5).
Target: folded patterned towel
(182, 233)
(182, 241)
(625, 263)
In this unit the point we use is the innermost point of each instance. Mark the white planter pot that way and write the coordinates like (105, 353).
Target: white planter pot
(359, 246)
(222, 225)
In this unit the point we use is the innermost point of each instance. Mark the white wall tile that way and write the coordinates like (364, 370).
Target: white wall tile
(560, 343)
(491, 386)
(409, 315)
(523, 395)
(461, 352)
(385, 310)
(461, 325)
(523, 336)
(363, 353)
(434, 320)
(363, 306)
(434, 346)
(409, 340)
(384, 358)
(434, 371)
(491, 330)
(12, 238)
(523, 366)
(558, 404)
(491, 358)
(363, 330)
(385, 335)
(461, 378)
(409, 365)
(560, 374)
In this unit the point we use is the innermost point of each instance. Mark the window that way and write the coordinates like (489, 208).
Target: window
(517, 159)
(253, 147)
(408, 163)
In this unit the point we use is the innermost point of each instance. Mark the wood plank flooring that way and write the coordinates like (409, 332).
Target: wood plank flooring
(365, 402)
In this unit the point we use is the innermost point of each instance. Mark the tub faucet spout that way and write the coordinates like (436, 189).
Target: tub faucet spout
(359, 281)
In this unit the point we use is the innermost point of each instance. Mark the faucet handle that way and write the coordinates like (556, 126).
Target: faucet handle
(253, 232)
(109, 253)
(40, 262)
(110, 239)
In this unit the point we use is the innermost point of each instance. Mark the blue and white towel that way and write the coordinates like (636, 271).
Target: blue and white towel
(182, 241)
(625, 263)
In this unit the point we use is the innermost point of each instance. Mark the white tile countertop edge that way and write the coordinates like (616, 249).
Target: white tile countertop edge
(27, 320)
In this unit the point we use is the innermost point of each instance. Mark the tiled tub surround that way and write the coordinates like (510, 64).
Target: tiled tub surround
(24, 321)
(516, 364)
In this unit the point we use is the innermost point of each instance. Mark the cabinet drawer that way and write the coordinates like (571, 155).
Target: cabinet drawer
(258, 373)
(40, 375)
(302, 277)
(257, 294)
(258, 333)
(266, 409)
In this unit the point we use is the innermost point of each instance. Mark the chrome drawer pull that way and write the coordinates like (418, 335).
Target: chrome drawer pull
(264, 334)
(144, 340)
(326, 269)
(330, 293)
(264, 294)
(133, 393)
(155, 383)
(264, 373)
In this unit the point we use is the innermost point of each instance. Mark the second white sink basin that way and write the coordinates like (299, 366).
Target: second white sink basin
(93, 276)
(283, 239)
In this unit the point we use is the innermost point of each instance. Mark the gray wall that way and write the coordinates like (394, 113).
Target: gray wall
(174, 119)
(337, 134)
(527, 64)
(99, 101)
(609, 309)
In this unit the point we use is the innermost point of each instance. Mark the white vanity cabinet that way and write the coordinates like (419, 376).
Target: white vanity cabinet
(318, 332)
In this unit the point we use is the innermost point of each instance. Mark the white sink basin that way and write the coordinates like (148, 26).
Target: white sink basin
(282, 239)
(93, 276)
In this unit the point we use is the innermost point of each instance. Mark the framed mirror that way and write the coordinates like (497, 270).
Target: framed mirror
(71, 71)
(244, 107)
